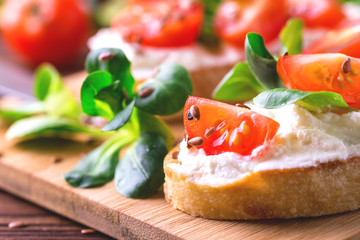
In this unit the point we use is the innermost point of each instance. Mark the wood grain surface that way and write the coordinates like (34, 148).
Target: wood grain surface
(27, 170)
(38, 222)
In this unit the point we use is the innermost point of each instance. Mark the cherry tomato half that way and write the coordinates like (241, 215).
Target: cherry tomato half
(345, 39)
(228, 128)
(234, 19)
(46, 30)
(160, 23)
(332, 72)
(316, 13)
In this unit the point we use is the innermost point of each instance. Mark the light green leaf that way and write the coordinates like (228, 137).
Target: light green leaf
(291, 36)
(44, 126)
(140, 173)
(143, 122)
(313, 101)
(49, 88)
(93, 84)
(120, 119)
(238, 85)
(98, 167)
(47, 81)
(23, 111)
(171, 87)
(118, 66)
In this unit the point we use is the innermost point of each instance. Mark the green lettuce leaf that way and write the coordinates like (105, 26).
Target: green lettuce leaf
(49, 88)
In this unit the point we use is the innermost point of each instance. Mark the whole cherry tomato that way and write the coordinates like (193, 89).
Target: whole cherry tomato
(316, 13)
(234, 19)
(160, 23)
(344, 39)
(332, 72)
(46, 30)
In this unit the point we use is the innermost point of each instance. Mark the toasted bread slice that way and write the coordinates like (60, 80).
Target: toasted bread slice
(328, 188)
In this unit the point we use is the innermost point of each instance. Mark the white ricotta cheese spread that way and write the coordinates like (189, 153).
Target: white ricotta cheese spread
(145, 59)
(304, 139)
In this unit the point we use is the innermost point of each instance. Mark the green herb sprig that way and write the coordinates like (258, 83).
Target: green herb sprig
(258, 73)
(322, 101)
(54, 112)
(258, 77)
(207, 34)
(110, 91)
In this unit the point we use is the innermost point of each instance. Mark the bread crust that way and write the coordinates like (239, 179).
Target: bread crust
(328, 188)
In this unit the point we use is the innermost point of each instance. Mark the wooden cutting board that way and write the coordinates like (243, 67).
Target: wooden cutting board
(28, 170)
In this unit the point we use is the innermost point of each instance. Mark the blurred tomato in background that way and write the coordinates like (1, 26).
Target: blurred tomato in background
(52, 31)
(234, 19)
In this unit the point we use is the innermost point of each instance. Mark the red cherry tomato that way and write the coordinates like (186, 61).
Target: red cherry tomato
(316, 13)
(234, 19)
(345, 39)
(332, 72)
(46, 30)
(160, 23)
(235, 129)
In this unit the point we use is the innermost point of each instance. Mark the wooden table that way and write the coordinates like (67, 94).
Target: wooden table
(26, 170)
(40, 223)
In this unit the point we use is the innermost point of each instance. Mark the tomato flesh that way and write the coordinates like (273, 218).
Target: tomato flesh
(322, 72)
(236, 130)
(234, 19)
(160, 23)
(319, 13)
(54, 31)
(344, 40)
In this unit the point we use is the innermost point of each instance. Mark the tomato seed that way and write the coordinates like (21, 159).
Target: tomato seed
(196, 141)
(87, 231)
(221, 139)
(55, 159)
(90, 141)
(16, 224)
(145, 92)
(209, 132)
(189, 116)
(244, 128)
(105, 56)
(346, 66)
(349, 79)
(354, 72)
(175, 155)
(235, 138)
(221, 125)
(242, 106)
(195, 112)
